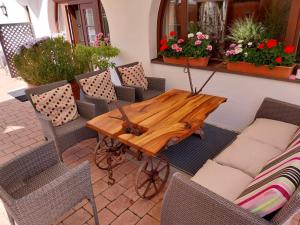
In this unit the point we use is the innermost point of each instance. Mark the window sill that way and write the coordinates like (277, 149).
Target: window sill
(219, 66)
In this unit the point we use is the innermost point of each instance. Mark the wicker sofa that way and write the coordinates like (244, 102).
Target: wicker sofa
(201, 200)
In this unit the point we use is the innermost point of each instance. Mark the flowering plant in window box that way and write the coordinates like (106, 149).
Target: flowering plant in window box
(172, 49)
(268, 58)
(198, 48)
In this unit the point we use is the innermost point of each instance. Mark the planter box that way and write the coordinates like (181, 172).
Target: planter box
(177, 61)
(198, 61)
(282, 72)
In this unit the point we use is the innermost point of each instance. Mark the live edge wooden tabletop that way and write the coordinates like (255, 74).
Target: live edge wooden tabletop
(174, 114)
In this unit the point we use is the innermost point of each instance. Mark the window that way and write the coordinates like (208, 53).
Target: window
(215, 16)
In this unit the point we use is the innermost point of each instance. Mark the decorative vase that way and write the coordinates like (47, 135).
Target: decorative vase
(176, 60)
(75, 89)
(203, 61)
(282, 72)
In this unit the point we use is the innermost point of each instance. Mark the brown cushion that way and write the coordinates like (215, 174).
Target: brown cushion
(99, 86)
(134, 76)
(58, 105)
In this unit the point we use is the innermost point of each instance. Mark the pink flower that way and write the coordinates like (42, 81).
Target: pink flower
(232, 45)
(100, 35)
(174, 46)
(178, 49)
(209, 47)
(198, 42)
(180, 41)
(201, 36)
(106, 40)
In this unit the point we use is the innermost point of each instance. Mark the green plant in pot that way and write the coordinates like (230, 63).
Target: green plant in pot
(45, 61)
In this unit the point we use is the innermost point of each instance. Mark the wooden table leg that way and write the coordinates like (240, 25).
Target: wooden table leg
(108, 154)
(152, 177)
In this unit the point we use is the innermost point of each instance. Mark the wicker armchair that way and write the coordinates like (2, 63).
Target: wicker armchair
(125, 95)
(156, 86)
(66, 135)
(37, 188)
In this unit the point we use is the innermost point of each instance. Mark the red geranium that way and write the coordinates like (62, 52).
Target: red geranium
(289, 49)
(172, 33)
(163, 47)
(163, 41)
(261, 45)
(278, 59)
(272, 43)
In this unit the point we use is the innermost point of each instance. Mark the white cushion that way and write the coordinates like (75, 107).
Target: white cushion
(273, 132)
(247, 155)
(222, 180)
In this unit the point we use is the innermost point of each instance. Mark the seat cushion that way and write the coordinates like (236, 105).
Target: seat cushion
(99, 86)
(273, 132)
(272, 187)
(244, 151)
(58, 105)
(295, 140)
(70, 127)
(112, 106)
(134, 76)
(148, 94)
(225, 181)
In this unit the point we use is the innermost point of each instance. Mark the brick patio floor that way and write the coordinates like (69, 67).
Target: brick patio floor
(117, 204)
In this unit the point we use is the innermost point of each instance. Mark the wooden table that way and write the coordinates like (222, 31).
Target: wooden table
(164, 120)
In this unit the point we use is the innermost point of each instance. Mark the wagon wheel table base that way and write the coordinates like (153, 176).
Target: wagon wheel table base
(150, 127)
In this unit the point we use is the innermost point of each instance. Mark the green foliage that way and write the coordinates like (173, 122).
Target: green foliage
(246, 29)
(46, 61)
(276, 18)
(193, 27)
(55, 59)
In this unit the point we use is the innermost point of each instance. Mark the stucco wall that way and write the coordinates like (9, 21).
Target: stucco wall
(16, 13)
(132, 24)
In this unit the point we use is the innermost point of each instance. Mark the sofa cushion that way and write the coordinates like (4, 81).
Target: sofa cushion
(244, 151)
(222, 180)
(58, 105)
(272, 188)
(99, 86)
(295, 141)
(134, 76)
(273, 132)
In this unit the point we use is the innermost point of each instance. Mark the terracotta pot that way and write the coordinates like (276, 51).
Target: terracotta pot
(282, 72)
(203, 61)
(177, 61)
(75, 89)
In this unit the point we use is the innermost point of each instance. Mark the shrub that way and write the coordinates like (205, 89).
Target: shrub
(46, 60)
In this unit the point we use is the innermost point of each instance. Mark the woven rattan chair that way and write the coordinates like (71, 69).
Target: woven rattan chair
(37, 188)
(125, 95)
(68, 134)
(156, 86)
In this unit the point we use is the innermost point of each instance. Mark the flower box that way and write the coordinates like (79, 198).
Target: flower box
(282, 72)
(176, 60)
(203, 61)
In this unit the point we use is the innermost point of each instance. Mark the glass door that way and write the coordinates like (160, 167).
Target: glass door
(89, 22)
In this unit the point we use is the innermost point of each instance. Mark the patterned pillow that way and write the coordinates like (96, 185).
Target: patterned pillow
(99, 86)
(274, 186)
(58, 105)
(134, 76)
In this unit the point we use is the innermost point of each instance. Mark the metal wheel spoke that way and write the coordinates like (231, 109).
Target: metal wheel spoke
(165, 166)
(155, 187)
(143, 184)
(147, 189)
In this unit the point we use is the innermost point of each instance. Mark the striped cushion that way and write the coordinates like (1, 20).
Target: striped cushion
(273, 187)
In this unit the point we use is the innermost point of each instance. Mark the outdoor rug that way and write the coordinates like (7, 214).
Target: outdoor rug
(19, 95)
(190, 154)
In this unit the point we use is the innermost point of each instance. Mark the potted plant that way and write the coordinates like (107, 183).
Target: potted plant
(268, 58)
(172, 49)
(198, 49)
(49, 60)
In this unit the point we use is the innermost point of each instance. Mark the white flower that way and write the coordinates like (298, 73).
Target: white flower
(198, 33)
(240, 41)
(191, 35)
(238, 50)
(246, 54)
(250, 43)
(207, 36)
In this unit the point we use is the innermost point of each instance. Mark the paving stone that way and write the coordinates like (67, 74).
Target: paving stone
(127, 218)
(113, 192)
(131, 194)
(99, 187)
(105, 217)
(119, 205)
(141, 207)
(148, 220)
(155, 211)
(101, 202)
(78, 218)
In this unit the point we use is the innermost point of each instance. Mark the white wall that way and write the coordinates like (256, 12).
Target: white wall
(132, 25)
(16, 12)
